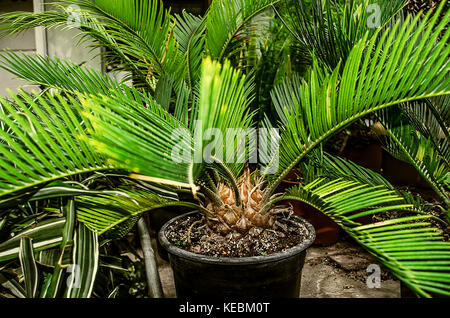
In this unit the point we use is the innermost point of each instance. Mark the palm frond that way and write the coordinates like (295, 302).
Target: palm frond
(120, 121)
(332, 167)
(57, 73)
(405, 143)
(224, 20)
(138, 35)
(189, 32)
(441, 104)
(140, 136)
(17, 22)
(334, 29)
(327, 103)
(146, 23)
(223, 106)
(430, 118)
(338, 167)
(108, 213)
(43, 139)
(412, 249)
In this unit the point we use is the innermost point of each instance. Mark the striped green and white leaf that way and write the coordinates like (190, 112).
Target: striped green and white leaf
(45, 235)
(60, 189)
(29, 267)
(13, 285)
(52, 256)
(85, 264)
(60, 258)
(53, 284)
(345, 200)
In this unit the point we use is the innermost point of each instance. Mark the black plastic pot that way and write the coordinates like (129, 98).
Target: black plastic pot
(271, 276)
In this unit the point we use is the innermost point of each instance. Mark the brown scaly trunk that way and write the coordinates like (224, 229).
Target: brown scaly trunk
(233, 220)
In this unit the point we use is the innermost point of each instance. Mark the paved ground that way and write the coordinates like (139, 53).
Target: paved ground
(335, 271)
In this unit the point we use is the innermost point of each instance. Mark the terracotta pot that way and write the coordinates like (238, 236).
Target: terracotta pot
(401, 173)
(327, 231)
(370, 156)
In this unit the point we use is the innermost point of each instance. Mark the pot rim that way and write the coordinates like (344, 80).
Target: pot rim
(291, 252)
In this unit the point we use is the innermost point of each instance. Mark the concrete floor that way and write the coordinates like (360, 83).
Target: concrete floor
(337, 271)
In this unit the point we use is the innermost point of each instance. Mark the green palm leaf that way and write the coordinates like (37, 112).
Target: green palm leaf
(225, 95)
(146, 23)
(429, 117)
(226, 18)
(410, 247)
(144, 140)
(189, 32)
(43, 139)
(405, 143)
(105, 212)
(138, 34)
(109, 213)
(327, 103)
(57, 73)
(331, 30)
(139, 137)
(335, 167)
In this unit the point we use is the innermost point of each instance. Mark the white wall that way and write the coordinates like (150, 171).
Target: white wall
(24, 42)
(62, 44)
(59, 43)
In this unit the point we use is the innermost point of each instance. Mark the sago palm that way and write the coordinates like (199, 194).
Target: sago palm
(331, 39)
(96, 127)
